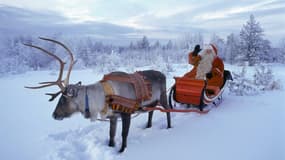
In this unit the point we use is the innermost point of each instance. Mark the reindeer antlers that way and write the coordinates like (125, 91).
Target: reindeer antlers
(72, 62)
(59, 82)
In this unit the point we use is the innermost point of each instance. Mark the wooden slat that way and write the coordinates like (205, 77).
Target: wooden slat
(188, 90)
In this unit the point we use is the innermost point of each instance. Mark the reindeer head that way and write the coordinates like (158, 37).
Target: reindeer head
(65, 106)
(68, 102)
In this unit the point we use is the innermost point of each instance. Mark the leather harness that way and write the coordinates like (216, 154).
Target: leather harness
(142, 88)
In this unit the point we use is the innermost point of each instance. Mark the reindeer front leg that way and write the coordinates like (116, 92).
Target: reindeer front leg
(126, 121)
(112, 131)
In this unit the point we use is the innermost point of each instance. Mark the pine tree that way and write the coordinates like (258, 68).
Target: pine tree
(280, 56)
(251, 37)
(232, 48)
(131, 46)
(188, 40)
(220, 44)
(169, 45)
(156, 45)
(143, 44)
(266, 54)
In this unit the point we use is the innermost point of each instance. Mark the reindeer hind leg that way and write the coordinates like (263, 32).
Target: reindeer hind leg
(126, 121)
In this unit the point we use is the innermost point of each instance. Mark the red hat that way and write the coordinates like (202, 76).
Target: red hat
(214, 48)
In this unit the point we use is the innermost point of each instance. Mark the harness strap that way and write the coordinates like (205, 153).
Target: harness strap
(108, 90)
(87, 110)
(122, 104)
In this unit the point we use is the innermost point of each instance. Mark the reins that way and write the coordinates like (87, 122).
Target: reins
(148, 109)
(87, 110)
(175, 110)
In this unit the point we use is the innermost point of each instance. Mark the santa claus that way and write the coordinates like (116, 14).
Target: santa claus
(207, 65)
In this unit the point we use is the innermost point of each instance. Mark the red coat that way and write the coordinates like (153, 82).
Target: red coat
(217, 70)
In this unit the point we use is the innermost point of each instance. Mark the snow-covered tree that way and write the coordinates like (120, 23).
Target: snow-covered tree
(266, 54)
(131, 46)
(84, 51)
(143, 44)
(188, 41)
(241, 84)
(156, 45)
(14, 58)
(220, 44)
(264, 79)
(252, 42)
(280, 52)
(232, 48)
(169, 45)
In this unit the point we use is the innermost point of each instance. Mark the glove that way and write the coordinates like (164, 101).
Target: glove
(209, 75)
(197, 49)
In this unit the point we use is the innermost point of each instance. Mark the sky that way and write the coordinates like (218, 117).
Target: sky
(168, 18)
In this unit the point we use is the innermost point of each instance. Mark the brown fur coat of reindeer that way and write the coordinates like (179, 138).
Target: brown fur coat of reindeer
(90, 100)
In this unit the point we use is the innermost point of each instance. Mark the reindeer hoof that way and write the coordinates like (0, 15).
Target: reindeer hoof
(148, 126)
(111, 144)
(122, 150)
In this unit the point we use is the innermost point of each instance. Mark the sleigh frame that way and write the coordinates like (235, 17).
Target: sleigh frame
(196, 93)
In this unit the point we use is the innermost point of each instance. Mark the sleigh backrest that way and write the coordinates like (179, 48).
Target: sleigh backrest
(188, 90)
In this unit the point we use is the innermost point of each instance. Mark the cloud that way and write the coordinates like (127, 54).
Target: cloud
(234, 11)
(221, 17)
(166, 16)
(20, 22)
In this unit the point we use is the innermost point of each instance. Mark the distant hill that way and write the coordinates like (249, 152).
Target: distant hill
(17, 21)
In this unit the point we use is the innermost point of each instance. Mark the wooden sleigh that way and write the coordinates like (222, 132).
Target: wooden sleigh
(196, 93)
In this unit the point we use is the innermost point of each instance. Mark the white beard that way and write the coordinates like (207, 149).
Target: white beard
(205, 64)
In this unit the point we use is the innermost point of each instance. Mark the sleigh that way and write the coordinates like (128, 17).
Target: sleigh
(196, 93)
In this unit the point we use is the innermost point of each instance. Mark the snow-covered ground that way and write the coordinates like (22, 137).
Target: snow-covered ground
(241, 128)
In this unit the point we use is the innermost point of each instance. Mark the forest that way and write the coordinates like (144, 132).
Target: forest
(248, 47)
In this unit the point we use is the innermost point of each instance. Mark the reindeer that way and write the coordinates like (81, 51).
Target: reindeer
(90, 100)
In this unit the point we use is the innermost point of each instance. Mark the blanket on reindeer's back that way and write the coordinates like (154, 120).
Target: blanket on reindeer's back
(141, 85)
(142, 89)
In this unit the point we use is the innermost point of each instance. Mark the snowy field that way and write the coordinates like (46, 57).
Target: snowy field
(241, 128)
